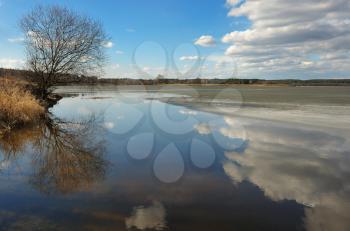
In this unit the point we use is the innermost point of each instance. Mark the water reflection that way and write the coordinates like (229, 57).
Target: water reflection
(288, 163)
(24, 222)
(65, 156)
(152, 217)
(218, 172)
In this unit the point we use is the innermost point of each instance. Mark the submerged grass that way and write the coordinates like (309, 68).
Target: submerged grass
(18, 106)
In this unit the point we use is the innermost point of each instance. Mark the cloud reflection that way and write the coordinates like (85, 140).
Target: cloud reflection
(152, 217)
(202, 128)
(302, 165)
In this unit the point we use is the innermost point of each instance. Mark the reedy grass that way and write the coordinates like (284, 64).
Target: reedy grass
(18, 106)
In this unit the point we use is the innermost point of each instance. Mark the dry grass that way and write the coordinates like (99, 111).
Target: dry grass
(17, 105)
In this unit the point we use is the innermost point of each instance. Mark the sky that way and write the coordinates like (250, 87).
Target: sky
(270, 39)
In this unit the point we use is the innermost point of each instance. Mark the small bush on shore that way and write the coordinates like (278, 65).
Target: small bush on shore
(17, 105)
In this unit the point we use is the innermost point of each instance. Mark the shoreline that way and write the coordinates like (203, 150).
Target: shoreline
(21, 105)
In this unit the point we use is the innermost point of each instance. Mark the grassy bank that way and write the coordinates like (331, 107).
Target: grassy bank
(18, 106)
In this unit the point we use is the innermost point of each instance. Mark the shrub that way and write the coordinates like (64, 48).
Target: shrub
(17, 105)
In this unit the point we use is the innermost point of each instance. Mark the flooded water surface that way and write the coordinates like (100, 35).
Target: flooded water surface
(113, 158)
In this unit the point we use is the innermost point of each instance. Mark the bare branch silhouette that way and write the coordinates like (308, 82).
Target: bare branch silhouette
(59, 42)
(67, 156)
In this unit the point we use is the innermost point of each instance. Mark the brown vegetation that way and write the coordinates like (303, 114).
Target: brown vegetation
(17, 105)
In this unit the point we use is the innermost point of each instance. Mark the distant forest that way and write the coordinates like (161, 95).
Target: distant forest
(75, 79)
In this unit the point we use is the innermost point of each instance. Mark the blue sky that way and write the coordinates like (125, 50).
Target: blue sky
(238, 38)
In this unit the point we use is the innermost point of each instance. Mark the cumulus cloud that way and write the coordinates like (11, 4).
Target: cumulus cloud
(218, 66)
(205, 41)
(11, 63)
(107, 44)
(232, 2)
(285, 33)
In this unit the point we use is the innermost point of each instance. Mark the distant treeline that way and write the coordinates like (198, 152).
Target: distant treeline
(75, 79)
(290, 82)
(63, 79)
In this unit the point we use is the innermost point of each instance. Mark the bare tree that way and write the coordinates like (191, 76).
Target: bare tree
(61, 42)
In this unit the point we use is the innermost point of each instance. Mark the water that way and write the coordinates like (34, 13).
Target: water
(130, 160)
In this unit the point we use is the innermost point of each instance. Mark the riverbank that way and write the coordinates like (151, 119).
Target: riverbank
(20, 105)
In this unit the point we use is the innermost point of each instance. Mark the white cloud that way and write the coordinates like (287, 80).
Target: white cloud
(205, 41)
(115, 66)
(119, 52)
(139, 72)
(146, 68)
(189, 58)
(11, 63)
(220, 58)
(232, 2)
(107, 44)
(218, 66)
(16, 40)
(284, 33)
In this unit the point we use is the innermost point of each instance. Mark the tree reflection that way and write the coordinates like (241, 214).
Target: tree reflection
(65, 156)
